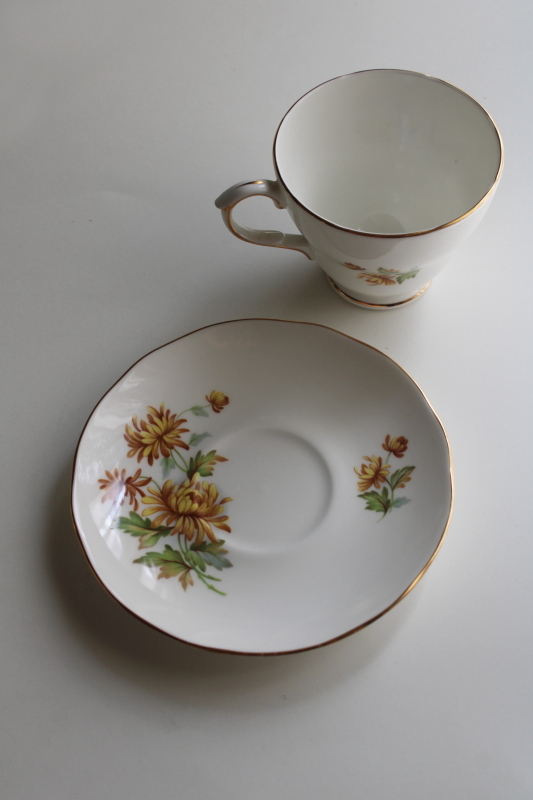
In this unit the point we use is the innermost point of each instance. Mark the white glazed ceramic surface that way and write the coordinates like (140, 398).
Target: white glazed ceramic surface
(385, 173)
(278, 416)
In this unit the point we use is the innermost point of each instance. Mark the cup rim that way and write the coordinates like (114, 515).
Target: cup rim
(470, 211)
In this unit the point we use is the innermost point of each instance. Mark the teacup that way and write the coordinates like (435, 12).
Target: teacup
(384, 172)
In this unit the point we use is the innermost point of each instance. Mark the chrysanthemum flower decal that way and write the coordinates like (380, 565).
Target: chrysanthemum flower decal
(377, 473)
(385, 277)
(190, 509)
(377, 279)
(117, 487)
(372, 474)
(396, 446)
(217, 401)
(161, 432)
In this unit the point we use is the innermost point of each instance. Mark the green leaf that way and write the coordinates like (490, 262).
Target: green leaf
(217, 561)
(400, 501)
(198, 561)
(203, 464)
(198, 411)
(213, 553)
(156, 559)
(376, 502)
(152, 538)
(400, 476)
(406, 275)
(170, 562)
(168, 465)
(185, 579)
(195, 560)
(385, 493)
(196, 438)
(135, 525)
(143, 528)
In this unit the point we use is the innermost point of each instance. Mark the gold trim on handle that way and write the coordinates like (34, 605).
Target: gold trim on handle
(229, 222)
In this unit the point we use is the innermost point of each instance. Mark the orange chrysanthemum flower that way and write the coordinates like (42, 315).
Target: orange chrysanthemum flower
(396, 446)
(371, 474)
(217, 401)
(160, 434)
(117, 487)
(377, 280)
(193, 508)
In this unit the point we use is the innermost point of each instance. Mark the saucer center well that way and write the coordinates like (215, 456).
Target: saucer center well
(280, 484)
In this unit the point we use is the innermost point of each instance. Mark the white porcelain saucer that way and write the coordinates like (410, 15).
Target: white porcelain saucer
(262, 486)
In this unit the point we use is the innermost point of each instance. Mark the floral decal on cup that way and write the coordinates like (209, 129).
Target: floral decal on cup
(376, 473)
(383, 277)
(189, 509)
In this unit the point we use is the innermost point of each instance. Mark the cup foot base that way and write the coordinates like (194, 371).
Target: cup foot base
(375, 306)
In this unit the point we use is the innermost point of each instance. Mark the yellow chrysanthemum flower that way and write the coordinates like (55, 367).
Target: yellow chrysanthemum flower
(160, 434)
(372, 474)
(217, 401)
(193, 508)
(377, 280)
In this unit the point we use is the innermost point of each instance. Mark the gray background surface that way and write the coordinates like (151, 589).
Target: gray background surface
(121, 122)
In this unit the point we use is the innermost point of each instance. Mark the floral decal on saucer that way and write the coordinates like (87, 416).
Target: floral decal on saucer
(383, 277)
(376, 473)
(189, 509)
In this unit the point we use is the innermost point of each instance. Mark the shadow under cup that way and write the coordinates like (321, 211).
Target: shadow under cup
(387, 152)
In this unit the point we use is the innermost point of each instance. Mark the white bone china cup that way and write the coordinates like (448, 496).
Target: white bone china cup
(384, 173)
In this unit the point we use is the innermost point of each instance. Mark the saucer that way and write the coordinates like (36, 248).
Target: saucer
(262, 486)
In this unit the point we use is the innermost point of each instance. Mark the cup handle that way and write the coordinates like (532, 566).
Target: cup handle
(240, 191)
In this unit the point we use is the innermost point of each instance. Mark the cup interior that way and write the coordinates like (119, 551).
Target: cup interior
(387, 152)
